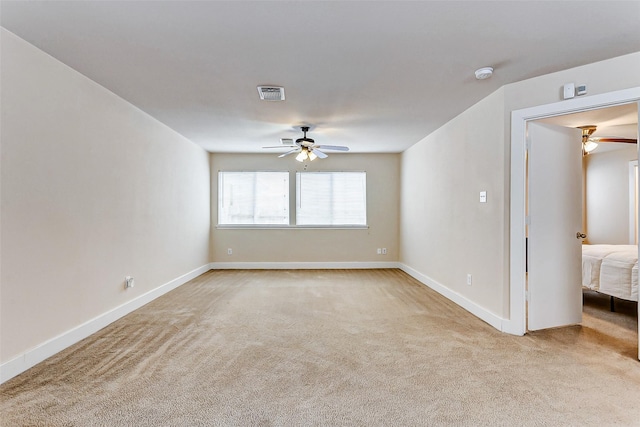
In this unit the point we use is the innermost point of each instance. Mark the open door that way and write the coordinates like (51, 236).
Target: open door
(555, 226)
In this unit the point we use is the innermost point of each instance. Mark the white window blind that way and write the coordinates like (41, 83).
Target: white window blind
(331, 198)
(253, 198)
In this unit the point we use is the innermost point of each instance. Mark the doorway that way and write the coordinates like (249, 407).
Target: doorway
(519, 119)
(589, 210)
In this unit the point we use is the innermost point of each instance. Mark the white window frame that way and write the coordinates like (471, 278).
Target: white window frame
(300, 197)
(222, 200)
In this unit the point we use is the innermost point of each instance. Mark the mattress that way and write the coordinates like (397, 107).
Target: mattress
(611, 269)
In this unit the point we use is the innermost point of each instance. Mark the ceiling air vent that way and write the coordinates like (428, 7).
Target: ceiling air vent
(271, 93)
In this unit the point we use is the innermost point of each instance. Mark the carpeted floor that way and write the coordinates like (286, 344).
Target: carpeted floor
(331, 348)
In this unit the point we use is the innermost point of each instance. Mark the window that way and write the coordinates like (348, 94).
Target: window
(246, 198)
(331, 198)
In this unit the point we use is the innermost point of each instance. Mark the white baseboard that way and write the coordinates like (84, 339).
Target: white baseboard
(47, 349)
(299, 265)
(470, 306)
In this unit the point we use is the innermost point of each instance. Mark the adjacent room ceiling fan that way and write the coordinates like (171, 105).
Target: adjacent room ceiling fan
(590, 143)
(307, 147)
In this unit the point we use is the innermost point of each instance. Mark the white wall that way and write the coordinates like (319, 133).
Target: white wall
(93, 189)
(607, 195)
(313, 245)
(444, 232)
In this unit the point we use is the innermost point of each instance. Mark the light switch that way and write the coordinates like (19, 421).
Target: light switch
(483, 197)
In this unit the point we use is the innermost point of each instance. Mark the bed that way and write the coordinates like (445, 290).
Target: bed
(611, 270)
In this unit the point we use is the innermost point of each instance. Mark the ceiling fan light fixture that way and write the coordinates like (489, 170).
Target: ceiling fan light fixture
(484, 73)
(302, 156)
(589, 146)
(312, 156)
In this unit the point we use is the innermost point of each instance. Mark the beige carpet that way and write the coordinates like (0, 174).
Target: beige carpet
(330, 348)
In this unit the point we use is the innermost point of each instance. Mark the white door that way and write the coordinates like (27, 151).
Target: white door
(555, 219)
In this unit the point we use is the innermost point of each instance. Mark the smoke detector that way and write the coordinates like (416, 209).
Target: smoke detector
(484, 73)
(271, 93)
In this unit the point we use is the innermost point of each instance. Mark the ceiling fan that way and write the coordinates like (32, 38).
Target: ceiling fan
(590, 143)
(307, 147)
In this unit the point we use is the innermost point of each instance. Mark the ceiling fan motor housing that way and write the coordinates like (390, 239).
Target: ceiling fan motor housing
(587, 131)
(309, 141)
(301, 141)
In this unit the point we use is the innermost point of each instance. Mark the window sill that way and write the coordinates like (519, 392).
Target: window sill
(289, 227)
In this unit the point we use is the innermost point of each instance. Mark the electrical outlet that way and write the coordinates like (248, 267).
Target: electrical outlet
(469, 279)
(128, 282)
(384, 251)
(379, 251)
(229, 251)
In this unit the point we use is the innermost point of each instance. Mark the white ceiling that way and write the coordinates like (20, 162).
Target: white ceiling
(620, 121)
(376, 76)
(612, 122)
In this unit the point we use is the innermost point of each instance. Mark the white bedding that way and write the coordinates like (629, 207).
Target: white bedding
(611, 269)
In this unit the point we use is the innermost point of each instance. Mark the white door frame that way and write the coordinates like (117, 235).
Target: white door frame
(633, 202)
(517, 305)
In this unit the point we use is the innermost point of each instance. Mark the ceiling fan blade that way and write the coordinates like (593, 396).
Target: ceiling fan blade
(295, 150)
(624, 140)
(281, 146)
(333, 147)
(319, 153)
